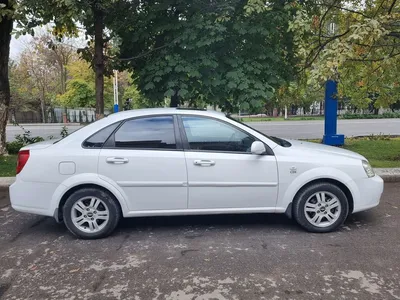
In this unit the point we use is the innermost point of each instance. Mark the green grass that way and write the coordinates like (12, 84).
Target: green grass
(380, 151)
(8, 165)
(268, 119)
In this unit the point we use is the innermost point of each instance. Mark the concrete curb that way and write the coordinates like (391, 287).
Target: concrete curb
(389, 174)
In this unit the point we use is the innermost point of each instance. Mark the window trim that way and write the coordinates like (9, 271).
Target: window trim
(105, 142)
(110, 143)
(186, 145)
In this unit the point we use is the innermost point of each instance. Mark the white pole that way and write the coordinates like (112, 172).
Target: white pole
(116, 108)
(285, 112)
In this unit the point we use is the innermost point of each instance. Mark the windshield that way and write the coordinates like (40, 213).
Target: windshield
(279, 141)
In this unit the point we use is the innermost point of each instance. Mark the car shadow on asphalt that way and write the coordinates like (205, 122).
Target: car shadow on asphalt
(271, 221)
(276, 223)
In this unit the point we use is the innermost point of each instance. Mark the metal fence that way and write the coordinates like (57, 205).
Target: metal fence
(56, 115)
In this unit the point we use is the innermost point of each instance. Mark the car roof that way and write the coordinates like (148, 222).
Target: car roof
(160, 111)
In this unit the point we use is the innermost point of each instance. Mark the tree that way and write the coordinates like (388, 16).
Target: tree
(355, 43)
(225, 53)
(6, 26)
(81, 88)
(65, 15)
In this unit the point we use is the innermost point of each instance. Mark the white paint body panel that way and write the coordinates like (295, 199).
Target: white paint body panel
(168, 183)
(234, 181)
(151, 180)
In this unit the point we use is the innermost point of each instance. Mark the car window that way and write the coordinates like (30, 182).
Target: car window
(147, 133)
(99, 138)
(212, 135)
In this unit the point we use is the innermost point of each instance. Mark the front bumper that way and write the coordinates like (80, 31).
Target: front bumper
(369, 193)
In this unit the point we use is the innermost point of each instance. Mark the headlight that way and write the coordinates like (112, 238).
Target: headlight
(368, 169)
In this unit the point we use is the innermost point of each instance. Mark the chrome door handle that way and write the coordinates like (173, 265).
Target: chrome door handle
(117, 160)
(204, 163)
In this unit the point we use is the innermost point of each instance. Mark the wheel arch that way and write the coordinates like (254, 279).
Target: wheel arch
(59, 213)
(338, 183)
(75, 183)
(334, 176)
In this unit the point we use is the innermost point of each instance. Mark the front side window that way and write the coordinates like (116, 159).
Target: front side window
(207, 134)
(147, 133)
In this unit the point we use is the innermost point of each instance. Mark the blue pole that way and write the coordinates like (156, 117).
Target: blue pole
(331, 106)
(116, 108)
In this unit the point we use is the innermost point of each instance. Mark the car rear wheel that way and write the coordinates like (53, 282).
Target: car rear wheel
(91, 213)
(321, 207)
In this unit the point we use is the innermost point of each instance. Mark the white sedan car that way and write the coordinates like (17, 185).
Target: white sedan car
(158, 162)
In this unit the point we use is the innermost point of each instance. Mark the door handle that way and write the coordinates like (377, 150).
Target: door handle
(117, 160)
(204, 163)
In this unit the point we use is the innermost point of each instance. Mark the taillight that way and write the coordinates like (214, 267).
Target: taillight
(23, 157)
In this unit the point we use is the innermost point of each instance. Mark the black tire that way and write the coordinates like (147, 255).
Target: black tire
(300, 201)
(112, 206)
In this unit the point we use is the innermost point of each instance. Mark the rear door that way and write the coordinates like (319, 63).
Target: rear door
(145, 158)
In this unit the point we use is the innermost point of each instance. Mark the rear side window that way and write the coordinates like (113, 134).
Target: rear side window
(147, 133)
(99, 138)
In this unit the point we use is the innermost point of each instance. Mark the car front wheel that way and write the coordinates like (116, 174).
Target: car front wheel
(91, 213)
(321, 207)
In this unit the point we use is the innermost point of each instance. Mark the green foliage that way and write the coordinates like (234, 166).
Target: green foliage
(14, 147)
(225, 53)
(64, 132)
(370, 116)
(355, 43)
(138, 100)
(79, 94)
(80, 90)
(26, 138)
(22, 140)
(378, 137)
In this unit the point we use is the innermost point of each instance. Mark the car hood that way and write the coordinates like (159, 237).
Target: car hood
(315, 147)
(37, 146)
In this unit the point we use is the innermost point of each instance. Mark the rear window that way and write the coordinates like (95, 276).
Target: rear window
(147, 133)
(98, 139)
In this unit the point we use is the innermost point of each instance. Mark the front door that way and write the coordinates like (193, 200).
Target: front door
(144, 160)
(222, 172)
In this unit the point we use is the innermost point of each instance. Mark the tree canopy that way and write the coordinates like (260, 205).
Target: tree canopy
(353, 42)
(226, 53)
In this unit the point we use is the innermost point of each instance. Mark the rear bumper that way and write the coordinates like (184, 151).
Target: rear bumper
(32, 197)
(369, 193)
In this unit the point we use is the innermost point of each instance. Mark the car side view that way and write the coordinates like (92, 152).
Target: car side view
(156, 162)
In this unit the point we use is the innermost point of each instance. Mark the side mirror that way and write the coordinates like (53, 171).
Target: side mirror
(258, 148)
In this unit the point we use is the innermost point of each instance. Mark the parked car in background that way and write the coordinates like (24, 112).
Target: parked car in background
(157, 162)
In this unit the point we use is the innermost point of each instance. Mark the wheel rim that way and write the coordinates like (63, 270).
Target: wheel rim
(90, 214)
(322, 209)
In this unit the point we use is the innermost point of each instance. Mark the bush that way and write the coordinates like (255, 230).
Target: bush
(386, 115)
(21, 140)
(64, 132)
(13, 147)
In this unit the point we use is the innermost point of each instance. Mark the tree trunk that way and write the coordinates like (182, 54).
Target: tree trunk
(6, 25)
(98, 59)
(174, 100)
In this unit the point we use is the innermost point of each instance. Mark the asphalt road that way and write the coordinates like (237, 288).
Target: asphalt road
(285, 129)
(315, 129)
(204, 257)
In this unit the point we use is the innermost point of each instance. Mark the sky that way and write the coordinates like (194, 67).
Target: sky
(17, 45)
